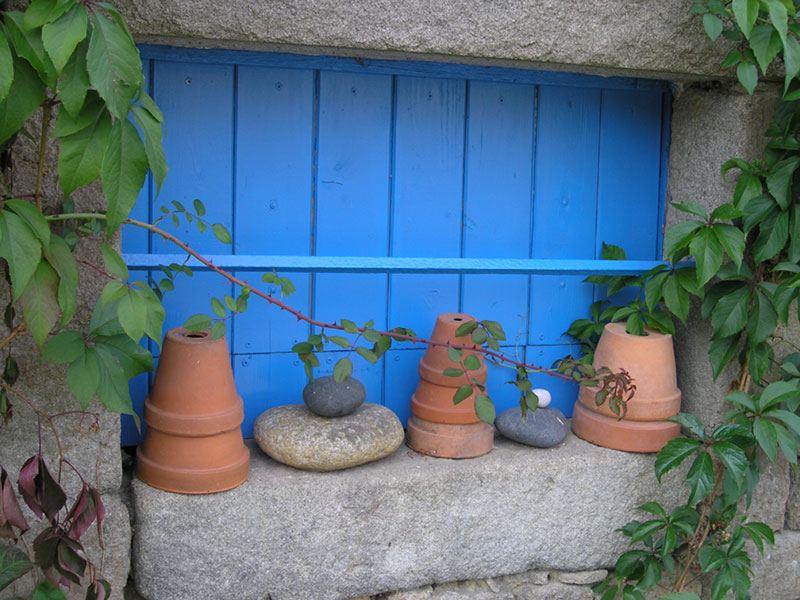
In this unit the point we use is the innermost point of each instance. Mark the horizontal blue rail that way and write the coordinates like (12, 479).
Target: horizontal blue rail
(366, 264)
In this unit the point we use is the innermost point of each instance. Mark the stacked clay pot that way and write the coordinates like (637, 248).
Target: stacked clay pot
(193, 443)
(650, 361)
(438, 427)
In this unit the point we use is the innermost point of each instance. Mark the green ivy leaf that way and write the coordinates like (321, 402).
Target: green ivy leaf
(20, 248)
(733, 458)
(40, 12)
(766, 44)
(673, 454)
(367, 354)
(484, 409)
(112, 388)
(6, 66)
(40, 303)
(779, 18)
(81, 156)
(28, 45)
(64, 348)
(676, 298)
(466, 328)
(73, 84)
(83, 377)
(732, 240)
(495, 329)
(708, 254)
(730, 314)
(635, 324)
(691, 423)
(114, 263)
(679, 236)
(772, 236)
(713, 26)
(123, 171)
(779, 180)
(348, 326)
(746, 13)
(767, 437)
(791, 61)
(462, 393)
(197, 323)
(762, 318)
(132, 314)
(61, 37)
(794, 237)
(342, 370)
(789, 418)
(112, 61)
(24, 97)
(653, 290)
(14, 564)
(748, 76)
(217, 330)
(339, 341)
(721, 352)
(472, 363)
(153, 133)
(691, 207)
(218, 308)
(700, 478)
(453, 372)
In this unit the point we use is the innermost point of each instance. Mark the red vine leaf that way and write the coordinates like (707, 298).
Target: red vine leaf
(40, 491)
(87, 508)
(10, 513)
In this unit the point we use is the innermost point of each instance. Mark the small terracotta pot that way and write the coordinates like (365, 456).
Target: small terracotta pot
(650, 361)
(193, 443)
(439, 427)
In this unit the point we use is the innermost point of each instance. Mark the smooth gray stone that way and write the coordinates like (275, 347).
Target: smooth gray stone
(543, 428)
(295, 436)
(326, 398)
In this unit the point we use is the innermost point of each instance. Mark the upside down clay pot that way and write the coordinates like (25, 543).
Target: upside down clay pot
(439, 427)
(650, 361)
(193, 444)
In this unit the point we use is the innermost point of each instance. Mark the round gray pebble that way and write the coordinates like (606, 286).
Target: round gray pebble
(326, 398)
(543, 428)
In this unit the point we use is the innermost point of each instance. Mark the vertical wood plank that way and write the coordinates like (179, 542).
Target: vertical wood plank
(630, 169)
(197, 102)
(563, 393)
(274, 146)
(402, 377)
(134, 239)
(426, 219)
(355, 115)
(265, 381)
(498, 197)
(564, 208)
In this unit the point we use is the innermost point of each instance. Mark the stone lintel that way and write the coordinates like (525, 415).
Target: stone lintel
(399, 523)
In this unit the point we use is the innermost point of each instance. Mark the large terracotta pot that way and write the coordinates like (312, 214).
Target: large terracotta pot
(650, 361)
(438, 427)
(193, 443)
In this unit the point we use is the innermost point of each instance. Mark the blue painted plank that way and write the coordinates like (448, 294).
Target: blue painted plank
(352, 209)
(427, 195)
(265, 381)
(564, 205)
(266, 328)
(563, 393)
(139, 387)
(498, 197)
(402, 377)
(272, 215)
(412, 68)
(197, 102)
(629, 172)
(369, 264)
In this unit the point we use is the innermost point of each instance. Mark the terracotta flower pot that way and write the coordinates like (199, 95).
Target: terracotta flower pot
(650, 361)
(193, 444)
(439, 427)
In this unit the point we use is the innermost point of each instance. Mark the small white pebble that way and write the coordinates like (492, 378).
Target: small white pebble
(544, 397)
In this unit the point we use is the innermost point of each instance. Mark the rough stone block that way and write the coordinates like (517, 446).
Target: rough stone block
(400, 523)
(793, 504)
(423, 593)
(643, 37)
(554, 591)
(582, 577)
(776, 575)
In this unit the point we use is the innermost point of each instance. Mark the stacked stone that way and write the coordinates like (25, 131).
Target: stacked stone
(543, 428)
(334, 430)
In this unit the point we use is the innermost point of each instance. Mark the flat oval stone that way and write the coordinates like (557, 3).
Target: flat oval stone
(325, 397)
(543, 428)
(295, 436)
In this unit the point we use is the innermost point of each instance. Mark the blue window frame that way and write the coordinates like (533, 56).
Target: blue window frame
(396, 191)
